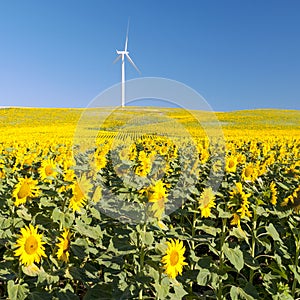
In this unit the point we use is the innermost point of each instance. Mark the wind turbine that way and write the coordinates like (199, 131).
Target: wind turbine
(122, 54)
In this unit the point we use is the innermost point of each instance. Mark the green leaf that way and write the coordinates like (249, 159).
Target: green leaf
(237, 293)
(239, 233)
(179, 291)
(46, 202)
(147, 238)
(67, 295)
(271, 230)
(103, 290)
(23, 214)
(209, 229)
(250, 261)
(235, 256)
(283, 186)
(36, 295)
(121, 245)
(89, 231)
(153, 273)
(162, 289)
(203, 277)
(57, 214)
(17, 291)
(234, 293)
(78, 251)
(45, 277)
(31, 270)
(260, 211)
(223, 214)
(95, 213)
(5, 222)
(296, 271)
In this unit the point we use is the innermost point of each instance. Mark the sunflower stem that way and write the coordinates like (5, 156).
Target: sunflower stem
(141, 249)
(221, 259)
(193, 235)
(64, 204)
(193, 244)
(19, 272)
(296, 265)
(253, 243)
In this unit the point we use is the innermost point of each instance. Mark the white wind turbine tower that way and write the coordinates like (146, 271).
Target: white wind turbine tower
(122, 54)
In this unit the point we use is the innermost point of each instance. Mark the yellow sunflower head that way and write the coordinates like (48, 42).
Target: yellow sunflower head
(273, 190)
(25, 188)
(239, 203)
(236, 220)
(231, 164)
(206, 202)
(69, 175)
(80, 190)
(174, 258)
(47, 169)
(30, 245)
(64, 246)
(157, 195)
(250, 172)
(293, 200)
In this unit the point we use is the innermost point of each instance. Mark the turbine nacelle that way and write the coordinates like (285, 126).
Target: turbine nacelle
(122, 52)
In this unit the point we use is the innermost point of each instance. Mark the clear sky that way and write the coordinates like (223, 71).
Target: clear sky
(238, 54)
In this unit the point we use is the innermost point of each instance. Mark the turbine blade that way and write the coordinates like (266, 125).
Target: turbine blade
(131, 61)
(117, 59)
(126, 41)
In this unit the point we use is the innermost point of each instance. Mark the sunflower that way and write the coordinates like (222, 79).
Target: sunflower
(132, 152)
(25, 188)
(236, 220)
(174, 258)
(69, 175)
(145, 164)
(241, 158)
(99, 160)
(30, 245)
(206, 202)
(80, 190)
(204, 156)
(48, 168)
(293, 200)
(273, 193)
(64, 246)
(157, 195)
(239, 203)
(231, 164)
(250, 173)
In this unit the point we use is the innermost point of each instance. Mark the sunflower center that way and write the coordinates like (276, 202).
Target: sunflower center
(174, 257)
(66, 245)
(79, 195)
(206, 200)
(31, 245)
(48, 170)
(24, 190)
(231, 164)
(248, 172)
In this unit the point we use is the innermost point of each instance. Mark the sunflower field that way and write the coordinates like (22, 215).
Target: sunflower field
(140, 214)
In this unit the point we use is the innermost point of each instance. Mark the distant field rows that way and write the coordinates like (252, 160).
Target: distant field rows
(52, 123)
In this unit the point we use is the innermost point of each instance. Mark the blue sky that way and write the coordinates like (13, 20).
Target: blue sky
(238, 54)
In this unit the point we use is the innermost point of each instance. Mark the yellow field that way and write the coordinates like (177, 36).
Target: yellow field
(28, 124)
